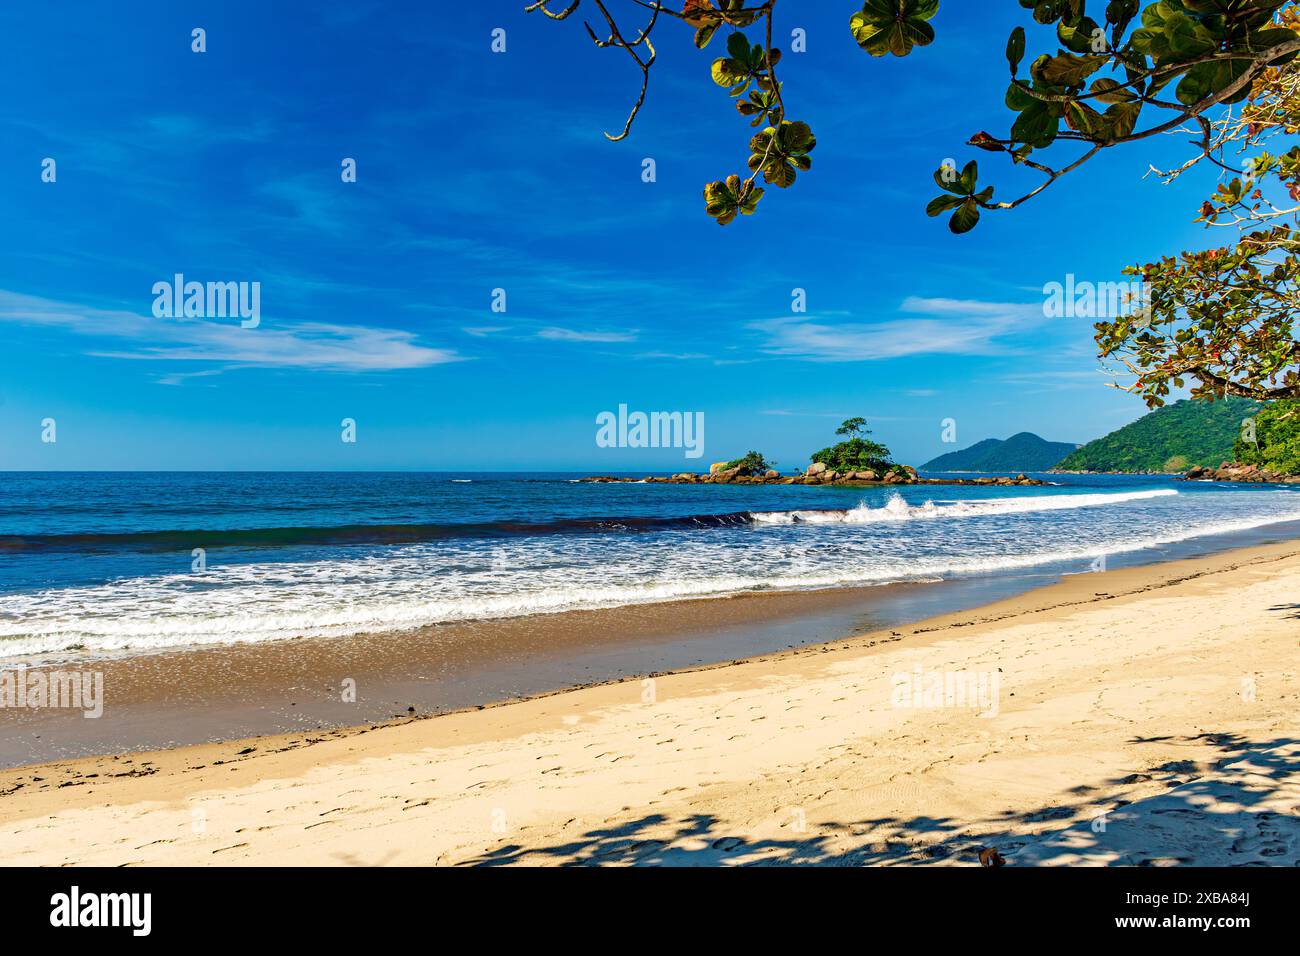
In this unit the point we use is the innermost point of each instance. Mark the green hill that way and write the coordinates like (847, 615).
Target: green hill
(1173, 438)
(1023, 452)
(1275, 445)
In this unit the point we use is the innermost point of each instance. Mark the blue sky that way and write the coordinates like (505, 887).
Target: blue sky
(478, 171)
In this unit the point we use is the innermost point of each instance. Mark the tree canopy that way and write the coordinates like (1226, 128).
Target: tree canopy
(1218, 321)
(858, 453)
(1274, 441)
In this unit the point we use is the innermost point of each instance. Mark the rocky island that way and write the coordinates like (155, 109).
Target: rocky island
(855, 461)
(816, 474)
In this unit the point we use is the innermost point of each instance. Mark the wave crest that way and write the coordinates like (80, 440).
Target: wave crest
(897, 508)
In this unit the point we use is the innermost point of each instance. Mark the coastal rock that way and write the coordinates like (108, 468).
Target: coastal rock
(1239, 472)
(819, 474)
(718, 466)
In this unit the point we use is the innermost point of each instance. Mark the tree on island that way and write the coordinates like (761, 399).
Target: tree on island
(752, 464)
(858, 453)
(1220, 321)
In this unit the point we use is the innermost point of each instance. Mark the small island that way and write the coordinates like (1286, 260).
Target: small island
(856, 461)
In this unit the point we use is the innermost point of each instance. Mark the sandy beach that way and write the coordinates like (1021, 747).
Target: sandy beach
(1145, 716)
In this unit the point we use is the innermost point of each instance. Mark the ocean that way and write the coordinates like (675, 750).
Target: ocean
(101, 564)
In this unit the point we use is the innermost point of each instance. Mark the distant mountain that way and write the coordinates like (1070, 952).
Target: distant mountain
(1023, 452)
(1173, 438)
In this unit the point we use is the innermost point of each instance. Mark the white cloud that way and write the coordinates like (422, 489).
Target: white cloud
(945, 326)
(319, 346)
(674, 356)
(786, 413)
(572, 335)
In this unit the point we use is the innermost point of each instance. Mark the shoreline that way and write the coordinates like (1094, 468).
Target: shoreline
(181, 696)
(1125, 721)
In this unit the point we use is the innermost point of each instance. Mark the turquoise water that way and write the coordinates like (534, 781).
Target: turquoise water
(106, 562)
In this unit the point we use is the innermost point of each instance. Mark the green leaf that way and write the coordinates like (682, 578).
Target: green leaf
(1016, 49)
(969, 176)
(724, 200)
(965, 218)
(704, 34)
(796, 137)
(1066, 69)
(1120, 120)
(1084, 119)
(1110, 91)
(1037, 125)
(882, 27)
(781, 152)
(727, 72)
(1196, 85)
(942, 204)
(1077, 35)
(1271, 37)
(1018, 98)
(948, 179)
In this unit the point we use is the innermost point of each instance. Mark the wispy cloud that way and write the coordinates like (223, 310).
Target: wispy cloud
(575, 335)
(1056, 380)
(674, 356)
(304, 202)
(319, 346)
(943, 326)
(202, 132)
(786, 413)
(838, 416)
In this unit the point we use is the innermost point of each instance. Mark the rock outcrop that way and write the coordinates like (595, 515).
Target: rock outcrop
(1235, 471)
(818, 474)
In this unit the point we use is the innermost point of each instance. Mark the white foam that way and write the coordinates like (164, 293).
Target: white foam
(411, 586)
(897, 509)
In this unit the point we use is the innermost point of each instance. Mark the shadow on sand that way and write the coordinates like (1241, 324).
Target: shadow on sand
(1214, 813)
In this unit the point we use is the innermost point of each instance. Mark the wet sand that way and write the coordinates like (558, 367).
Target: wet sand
(172, 699)
(1158, 700)
(181, 697)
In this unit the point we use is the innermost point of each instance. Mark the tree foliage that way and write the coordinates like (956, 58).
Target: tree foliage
(858, 453)
(1274, 442)
(1221, 321)
(1171, 439)
(752, 464)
